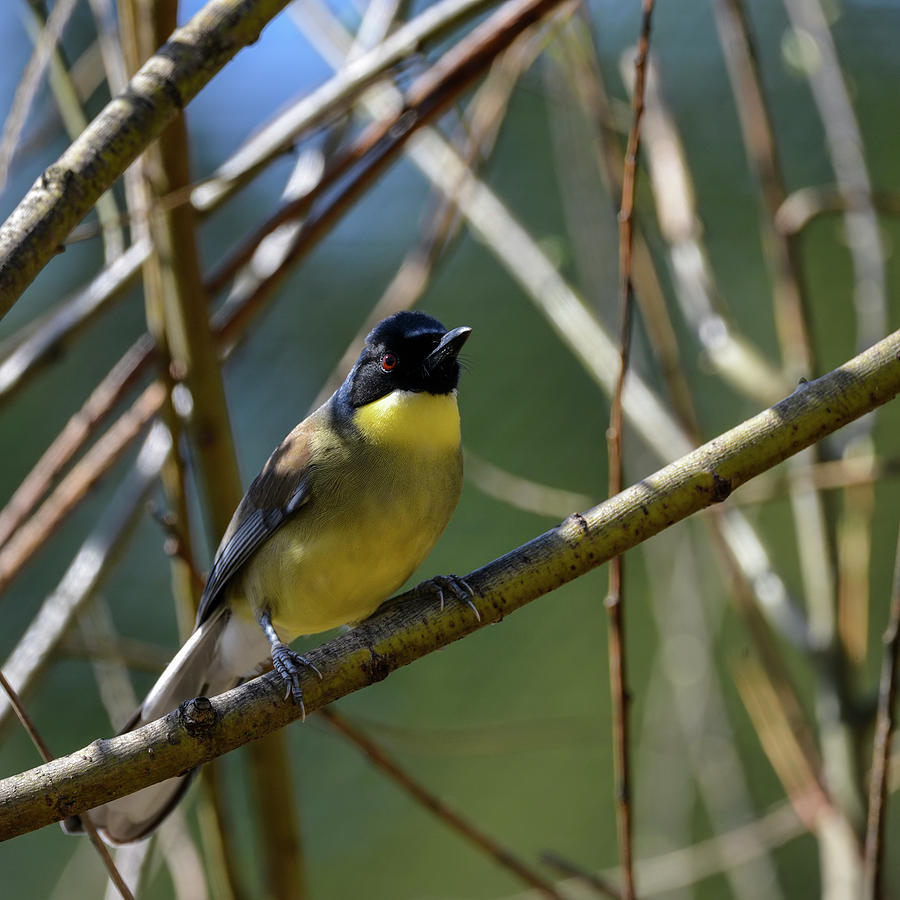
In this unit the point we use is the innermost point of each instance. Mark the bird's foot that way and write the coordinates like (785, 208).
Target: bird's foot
(287, 663)
(454, 586)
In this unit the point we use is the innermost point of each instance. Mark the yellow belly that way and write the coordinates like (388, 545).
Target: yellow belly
(366, 529)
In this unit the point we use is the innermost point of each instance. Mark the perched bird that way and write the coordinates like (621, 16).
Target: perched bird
(345, 509)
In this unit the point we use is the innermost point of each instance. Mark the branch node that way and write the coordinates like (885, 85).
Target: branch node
(198, 716)
(721, 488)
(580, 522)
(378, 668)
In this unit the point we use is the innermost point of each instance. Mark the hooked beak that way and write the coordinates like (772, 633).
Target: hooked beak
(449, 347)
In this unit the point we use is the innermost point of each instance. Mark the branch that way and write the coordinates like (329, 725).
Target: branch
(615, 598)
(44, 751)
(881, 748)
(331, 98)
(407, 629)
(463, 827)
(85, 573)
(68, 319)
(172, 77)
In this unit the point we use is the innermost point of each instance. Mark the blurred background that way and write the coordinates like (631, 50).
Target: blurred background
(764, 252)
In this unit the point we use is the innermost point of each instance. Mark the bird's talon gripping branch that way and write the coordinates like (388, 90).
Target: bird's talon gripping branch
(287, 663)
(457, 587)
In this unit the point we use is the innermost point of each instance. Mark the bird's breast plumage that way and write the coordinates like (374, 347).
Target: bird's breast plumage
(378, 504)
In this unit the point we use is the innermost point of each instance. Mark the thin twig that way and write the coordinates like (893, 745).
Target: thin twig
(47, 756)
(176, 544)
(567, 867)
(503, 856)
(65, 193)
(803, 205)
(28, 539)
(881, 747)
(69, 441)
(382, 140)
(789, 297)
(615, 597)
(73, 116)
(30, 81)
(846, 149)
(25, 719)
(484, 116)
(334, 96)
(801, 784)
(577, 57)
(92, 562)
(44, 344)
(733, 356)
(690, 617)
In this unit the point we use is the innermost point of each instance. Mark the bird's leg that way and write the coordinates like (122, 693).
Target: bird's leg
(453, 585)
(286, 662)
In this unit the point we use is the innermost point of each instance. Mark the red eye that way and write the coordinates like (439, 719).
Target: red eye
(389, 362)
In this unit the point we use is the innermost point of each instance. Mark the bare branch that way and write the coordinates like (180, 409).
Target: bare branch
(407, 629)
(83, 576)
(47, 756)
(618, 672)
(881, 749)
(170, 79)
(468, 830)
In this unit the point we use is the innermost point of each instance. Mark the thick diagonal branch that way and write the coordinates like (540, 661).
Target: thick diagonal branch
(409, 628)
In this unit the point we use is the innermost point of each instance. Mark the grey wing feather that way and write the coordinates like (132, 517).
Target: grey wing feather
(253, 529)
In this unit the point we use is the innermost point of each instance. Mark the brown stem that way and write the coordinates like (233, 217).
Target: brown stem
(881, 747)
(503, 856)
(47, 756)
(615, 596)
(67, 190)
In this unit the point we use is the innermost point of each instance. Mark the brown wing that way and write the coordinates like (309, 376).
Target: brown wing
(279, 490)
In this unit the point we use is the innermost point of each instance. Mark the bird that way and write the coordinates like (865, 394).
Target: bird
(345, 509)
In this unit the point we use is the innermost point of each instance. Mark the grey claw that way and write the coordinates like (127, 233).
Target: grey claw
(310, 665)
(457, 587)
(287, 664)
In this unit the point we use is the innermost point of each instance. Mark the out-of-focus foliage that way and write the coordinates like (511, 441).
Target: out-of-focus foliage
(512, 725)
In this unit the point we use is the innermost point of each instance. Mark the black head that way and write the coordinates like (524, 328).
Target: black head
(410, 351)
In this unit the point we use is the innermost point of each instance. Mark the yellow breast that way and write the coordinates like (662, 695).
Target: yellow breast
(414, 419)
(374, 515)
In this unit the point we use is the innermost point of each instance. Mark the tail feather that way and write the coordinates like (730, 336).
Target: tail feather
(198, 668)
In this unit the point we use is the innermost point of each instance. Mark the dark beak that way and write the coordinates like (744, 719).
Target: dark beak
(449, 347)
